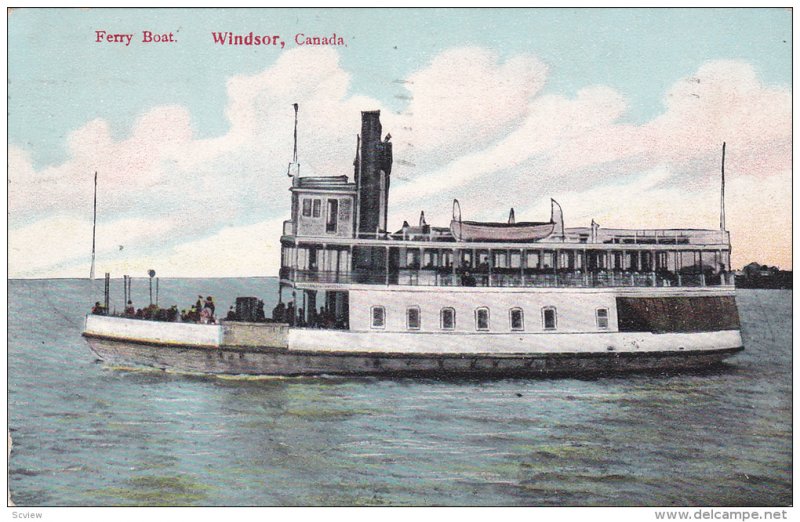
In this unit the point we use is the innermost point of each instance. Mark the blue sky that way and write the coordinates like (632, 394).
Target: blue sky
(600, 108)
(61, 76)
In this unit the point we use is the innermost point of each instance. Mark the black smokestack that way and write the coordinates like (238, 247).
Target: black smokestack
(373, 178)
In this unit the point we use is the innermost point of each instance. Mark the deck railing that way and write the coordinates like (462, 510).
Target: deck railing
(575, 279)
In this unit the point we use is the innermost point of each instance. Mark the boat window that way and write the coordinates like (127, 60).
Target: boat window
(516, 259)
(549, 318)
(412, 318)
(448, 317)
(517, 319)
(482, 318)
(447, 259)
(602, 318)
(378, 317)
(333, 215)
(501, 259)
(306, 207)
(532, 260)
(412, 258)
(344, 209)
(317, 208)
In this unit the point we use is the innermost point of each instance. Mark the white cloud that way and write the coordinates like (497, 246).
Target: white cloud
(476, 127)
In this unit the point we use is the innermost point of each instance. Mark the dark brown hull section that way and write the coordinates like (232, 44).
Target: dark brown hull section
(267, 361)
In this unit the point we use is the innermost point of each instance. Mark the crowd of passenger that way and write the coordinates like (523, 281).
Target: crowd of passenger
(202, 311)
(322, 318)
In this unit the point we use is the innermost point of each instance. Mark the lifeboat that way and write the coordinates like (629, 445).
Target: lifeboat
(511, 231)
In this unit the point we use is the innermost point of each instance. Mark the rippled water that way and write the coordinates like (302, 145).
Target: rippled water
(85, 434)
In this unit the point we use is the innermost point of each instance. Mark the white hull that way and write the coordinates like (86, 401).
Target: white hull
(237, 348)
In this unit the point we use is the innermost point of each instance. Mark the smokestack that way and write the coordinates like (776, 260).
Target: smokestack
(373, 176)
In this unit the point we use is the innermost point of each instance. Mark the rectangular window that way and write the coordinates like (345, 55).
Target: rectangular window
(549, 318)
(448, 317)
(306, 207)
(344, 210)
(412, 318)
(412, 258)
(517, 320)
(482, 319)
(602, 318)
(317, 208)
(378, 317)
(333, 216)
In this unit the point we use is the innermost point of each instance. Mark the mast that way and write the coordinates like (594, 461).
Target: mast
(94, 227)
(722, 197)
(294, 167)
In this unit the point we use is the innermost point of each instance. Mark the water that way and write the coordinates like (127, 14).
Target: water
(88, 435)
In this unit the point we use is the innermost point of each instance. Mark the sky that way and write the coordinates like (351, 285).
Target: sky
(619, 114)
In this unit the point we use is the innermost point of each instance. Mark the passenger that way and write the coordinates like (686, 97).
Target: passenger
(467, 279)
(205, 316)
(172, 314)
(290, 314)
(231, 315)
(184, 316)
(192, 315)
(260, 317)
(301, 319)
(98, 309)
(211, 308)
(199, 304)
(279, 313)
(139, 313)
(130, 311)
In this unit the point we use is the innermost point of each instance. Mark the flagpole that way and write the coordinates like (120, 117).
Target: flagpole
(94, 227)
(722, 197)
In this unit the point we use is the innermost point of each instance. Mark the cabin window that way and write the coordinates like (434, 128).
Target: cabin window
(482, 319)
(306, 207)
(378, 317)
(466, 258)
(448, 319)
(517, 319)
(317, 208)
(447, 259)
(602, 318)
(412, 258)
(549, 318)
(344, 209)
(333, 215)
(429, 259)
(501, 259)
(516, 259)
(412, 318)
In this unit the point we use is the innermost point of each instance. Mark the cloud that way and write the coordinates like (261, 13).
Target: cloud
(476, 126)
(662, 173)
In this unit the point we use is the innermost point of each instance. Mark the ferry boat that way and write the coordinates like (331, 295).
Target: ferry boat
(473, 298)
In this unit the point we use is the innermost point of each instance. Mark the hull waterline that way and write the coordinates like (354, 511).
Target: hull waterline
(232, 360)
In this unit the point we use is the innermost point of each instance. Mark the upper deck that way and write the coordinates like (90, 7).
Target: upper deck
(338, 236)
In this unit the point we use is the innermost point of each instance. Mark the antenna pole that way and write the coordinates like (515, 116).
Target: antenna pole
(94, 226)
(294, 168)
(294, 157)
(722, 196)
